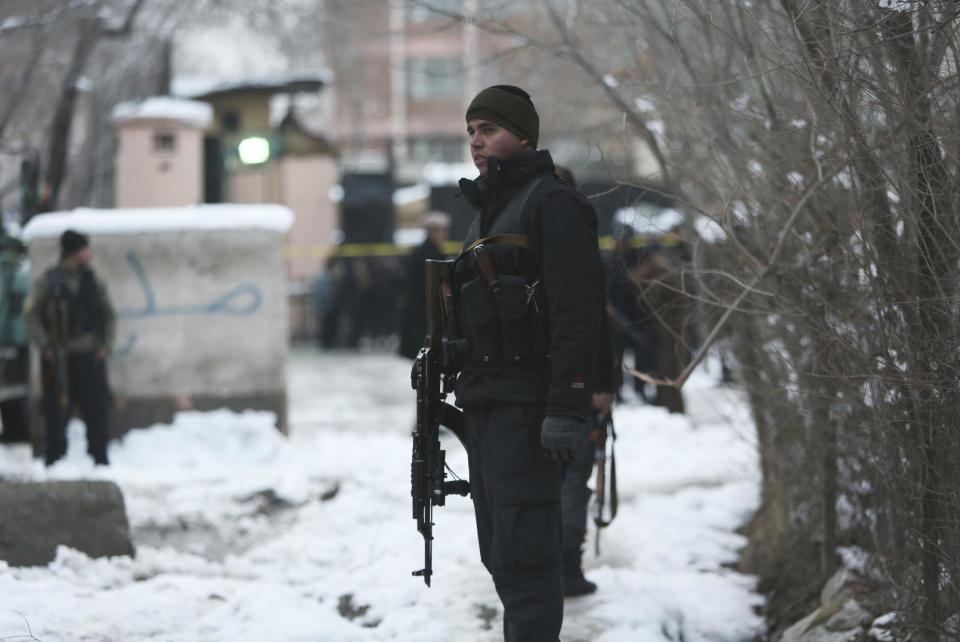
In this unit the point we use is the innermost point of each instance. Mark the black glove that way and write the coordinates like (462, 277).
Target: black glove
(562, 437)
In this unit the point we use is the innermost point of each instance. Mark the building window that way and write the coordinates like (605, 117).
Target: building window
(437, 149)
(231, 121)
(434, 78)
(434, 10)
(164, 141)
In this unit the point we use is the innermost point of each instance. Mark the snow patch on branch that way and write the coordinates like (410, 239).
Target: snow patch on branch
(709, 230)
(648, 220)
(643, 104)
(15, 23)
(898, 5)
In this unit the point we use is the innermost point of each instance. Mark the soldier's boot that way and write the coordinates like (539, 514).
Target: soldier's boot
(574, 583)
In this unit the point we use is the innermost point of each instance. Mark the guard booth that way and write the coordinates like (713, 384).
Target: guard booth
(224, 145)
(363, 280)
(367, 212)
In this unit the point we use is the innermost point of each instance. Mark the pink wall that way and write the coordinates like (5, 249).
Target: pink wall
(152, 177)
(304, 185)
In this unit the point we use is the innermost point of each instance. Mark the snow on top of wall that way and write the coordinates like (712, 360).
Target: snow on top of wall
(275, 218)
(448, 173)
(191, 112)
(412, 194)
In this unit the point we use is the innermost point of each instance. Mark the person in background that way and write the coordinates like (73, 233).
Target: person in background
(631, 324)
(658, 274)
(413, 327)
(71, 321)
(14, 288)
(574, 491)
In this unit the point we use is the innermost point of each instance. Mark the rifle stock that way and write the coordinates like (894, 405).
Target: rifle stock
(433, 382)
(53, 361)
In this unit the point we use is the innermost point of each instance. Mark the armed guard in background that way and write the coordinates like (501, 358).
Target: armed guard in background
(71, 321)
(413, 327)
(527, 291)
(575, 491)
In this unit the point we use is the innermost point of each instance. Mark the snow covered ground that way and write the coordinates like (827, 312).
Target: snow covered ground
(244, 535)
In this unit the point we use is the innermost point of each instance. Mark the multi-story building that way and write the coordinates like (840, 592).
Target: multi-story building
(403, 76)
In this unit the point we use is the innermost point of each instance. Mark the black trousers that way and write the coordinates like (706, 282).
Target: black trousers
(516, 497)
(89, 393)
(15, 415)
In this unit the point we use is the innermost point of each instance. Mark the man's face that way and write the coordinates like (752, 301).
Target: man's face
(83, 258)
(490, 139)
(437, 234)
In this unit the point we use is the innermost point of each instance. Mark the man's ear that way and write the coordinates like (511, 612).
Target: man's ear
(524, 143)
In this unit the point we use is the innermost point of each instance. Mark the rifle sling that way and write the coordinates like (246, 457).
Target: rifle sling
(614, 498)
(488, 273)
(485, 265)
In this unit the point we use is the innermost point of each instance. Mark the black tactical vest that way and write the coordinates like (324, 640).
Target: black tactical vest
(84, 314)
(499, 301)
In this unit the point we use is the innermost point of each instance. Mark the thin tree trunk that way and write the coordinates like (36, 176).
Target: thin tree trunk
(91, 27)
(829, 486)
(62, 125)
(937, 256)
(15, 97)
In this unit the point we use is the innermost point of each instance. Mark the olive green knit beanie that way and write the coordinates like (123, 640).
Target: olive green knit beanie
(511, 108)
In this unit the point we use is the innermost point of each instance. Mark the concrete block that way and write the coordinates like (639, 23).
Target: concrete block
(201, 298)
(37, 517)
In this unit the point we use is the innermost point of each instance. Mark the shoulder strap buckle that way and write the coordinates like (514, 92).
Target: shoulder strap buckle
(500, 239)
(487, 272)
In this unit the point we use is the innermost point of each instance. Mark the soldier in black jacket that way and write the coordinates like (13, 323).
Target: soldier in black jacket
(575, 492)
(413, 328)
(528, 290)
(71, 320)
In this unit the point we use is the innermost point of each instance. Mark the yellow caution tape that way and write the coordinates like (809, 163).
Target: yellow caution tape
(354, 250)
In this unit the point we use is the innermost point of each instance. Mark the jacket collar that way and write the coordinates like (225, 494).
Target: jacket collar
(73, 270)
(504, 176)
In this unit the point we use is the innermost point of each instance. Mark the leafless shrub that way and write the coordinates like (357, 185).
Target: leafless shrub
(814, 147)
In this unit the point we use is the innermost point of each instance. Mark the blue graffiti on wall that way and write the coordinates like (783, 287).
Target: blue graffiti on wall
(243, 300)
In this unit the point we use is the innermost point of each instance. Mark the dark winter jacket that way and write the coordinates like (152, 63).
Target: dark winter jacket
(90, 322)
(414, 324)
(561, 227)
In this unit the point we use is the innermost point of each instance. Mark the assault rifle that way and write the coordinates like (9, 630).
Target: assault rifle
(606, 437)
(433, 379)
(53, 362)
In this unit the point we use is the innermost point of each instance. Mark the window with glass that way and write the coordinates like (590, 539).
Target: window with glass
(437, 149)
(164, 141)
(425, 10)
(433, 78)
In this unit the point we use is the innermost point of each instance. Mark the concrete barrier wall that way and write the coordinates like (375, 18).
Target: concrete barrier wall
(201, 301)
